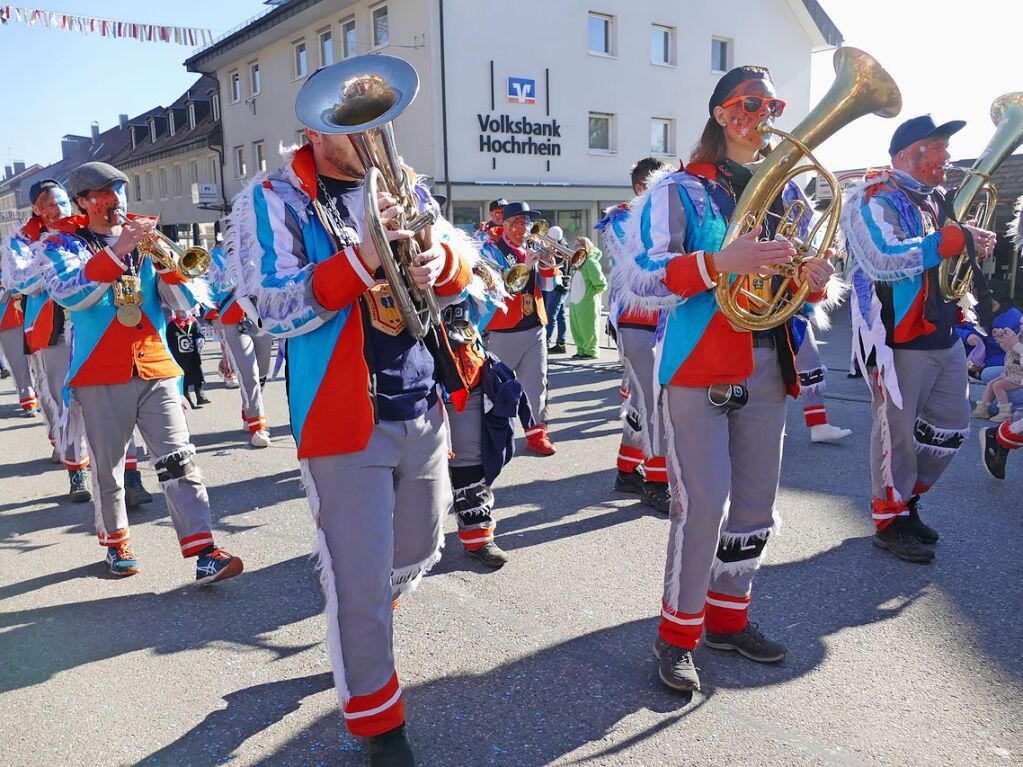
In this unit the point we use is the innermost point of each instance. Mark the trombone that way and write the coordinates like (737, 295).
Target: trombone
(168, 255)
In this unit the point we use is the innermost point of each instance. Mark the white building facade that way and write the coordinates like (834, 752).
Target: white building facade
(551, 102)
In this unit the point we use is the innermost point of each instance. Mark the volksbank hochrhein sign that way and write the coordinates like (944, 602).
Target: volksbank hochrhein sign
(501, 134)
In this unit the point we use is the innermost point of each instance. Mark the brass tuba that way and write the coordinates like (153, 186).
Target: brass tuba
(977, 196)
(360, 97)
(861, 87)
(168, 255)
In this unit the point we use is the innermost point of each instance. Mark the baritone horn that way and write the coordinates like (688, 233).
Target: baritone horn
(168, 255)
(360, 98)
(755, 302)
(977, 196)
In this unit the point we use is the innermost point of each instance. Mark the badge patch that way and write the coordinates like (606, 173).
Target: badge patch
(528, 304)
(383, 311)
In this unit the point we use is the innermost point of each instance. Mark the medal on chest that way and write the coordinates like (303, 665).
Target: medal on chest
(383, 311)
(128, 300)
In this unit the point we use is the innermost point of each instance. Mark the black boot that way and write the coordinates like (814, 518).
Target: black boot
(134, 493)
(200, 398)
(925, 533)
(629, 482)
(490, 554)
(898, 539)
(993, 453)
(390, 749)
(657, 495)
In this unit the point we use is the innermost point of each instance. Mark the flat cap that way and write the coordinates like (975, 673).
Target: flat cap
(93, 175)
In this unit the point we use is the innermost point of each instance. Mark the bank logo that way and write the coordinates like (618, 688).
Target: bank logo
(521, 90)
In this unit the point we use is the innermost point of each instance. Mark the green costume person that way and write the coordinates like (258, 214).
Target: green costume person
(588, 283)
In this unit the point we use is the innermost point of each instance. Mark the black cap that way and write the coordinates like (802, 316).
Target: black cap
(513, 209)
(918, 128)
(41, 186)
(93, 175)
(500, 202)
(731, 80)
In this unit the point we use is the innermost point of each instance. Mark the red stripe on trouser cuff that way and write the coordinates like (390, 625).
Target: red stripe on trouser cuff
(29, 403)
(476, 539)
(257, 425)
(114, 538)
(193, 544)
(376, 713)
(883, 512)
(629, 458)
(76, 465)
(536, 431)
(726, 614)
(1006, 438)
(680, 629)
(815, 416)
(656, 469)
(623, 392)
(920, 488)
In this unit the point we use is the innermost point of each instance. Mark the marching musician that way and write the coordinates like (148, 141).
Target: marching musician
(517, 336)
(12, 344)
(642, 469)
(122, 373)
(362, 392)
(898, 231)
(491, 229)
(248, 347)
(811, 369)
(725, 452)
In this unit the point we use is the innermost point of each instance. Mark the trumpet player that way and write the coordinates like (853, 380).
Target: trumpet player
(122, 374)
(517, 336)
(362, 390)
(723, 389)
(898, 233)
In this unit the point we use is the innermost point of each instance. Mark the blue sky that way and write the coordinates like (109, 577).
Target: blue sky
(949, 58)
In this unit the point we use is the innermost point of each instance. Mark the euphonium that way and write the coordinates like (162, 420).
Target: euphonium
(360, 97)
(168, 255)
(977, 197)
(752, 301)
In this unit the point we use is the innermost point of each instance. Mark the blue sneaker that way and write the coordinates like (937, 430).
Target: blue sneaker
(121, 560)
(218, 565)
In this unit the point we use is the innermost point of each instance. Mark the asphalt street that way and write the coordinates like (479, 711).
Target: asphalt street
(545, 662)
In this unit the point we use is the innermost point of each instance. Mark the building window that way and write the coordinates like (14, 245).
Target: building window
(601, 34)
(163, 182)
(300, 60)
(211, 170)
(236, 87)
(136, 185)
(720, 54)
(191, 115)
(662, 136)
(348, 37)
(259, 156)
(193, 171)
(326, 47)
(255, 81)
(177, 181)
(239, 162)
(170, 122)
(215, 100)
(149, 185)
(662, 45)
(152, 131)
(601, 132)
(381, 32)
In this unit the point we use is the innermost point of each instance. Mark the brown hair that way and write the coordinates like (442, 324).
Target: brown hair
(711, 146)
(586, 243)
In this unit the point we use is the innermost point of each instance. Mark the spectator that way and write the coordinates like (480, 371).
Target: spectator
(186, 343)
(588, 283)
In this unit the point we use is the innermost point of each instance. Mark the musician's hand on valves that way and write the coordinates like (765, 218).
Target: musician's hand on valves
(430, 265)
(748, 255)
(389, 213)
(983, 240)
(817, 271)
(132, 233)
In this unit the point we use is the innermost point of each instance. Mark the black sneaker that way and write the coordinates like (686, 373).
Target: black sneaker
(490, 554)
(675, 666)
(390, 749)
(557, 349)
(924, 533)
(134, 493)
(629, 482)
(992, 454)
(79, 492)
(750, 643)
(657, 495)
(898, 539)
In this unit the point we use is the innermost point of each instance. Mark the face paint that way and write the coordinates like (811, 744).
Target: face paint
(740, 125)
(100, 204)
(927, 161)
(52, 205)
(515, 230)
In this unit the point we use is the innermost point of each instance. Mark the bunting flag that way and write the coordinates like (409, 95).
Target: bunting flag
(150, 33)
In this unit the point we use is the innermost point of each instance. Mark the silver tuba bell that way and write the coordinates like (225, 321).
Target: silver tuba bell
(360, 97)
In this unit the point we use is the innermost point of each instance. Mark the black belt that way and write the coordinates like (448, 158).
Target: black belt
(764, 340)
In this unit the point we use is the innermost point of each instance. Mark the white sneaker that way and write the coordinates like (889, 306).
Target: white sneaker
(260, 438)
(826, 432)
(231, 383)
(55, 456)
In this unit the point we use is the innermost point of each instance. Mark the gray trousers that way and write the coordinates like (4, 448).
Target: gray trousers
(111, 413)
(724, 481)
(67, 429)
(636, 347)
(525, 352)
(811, 371)
(379, 514)
(473, 498)
(13, 342)
(911, 446)
(250, 358)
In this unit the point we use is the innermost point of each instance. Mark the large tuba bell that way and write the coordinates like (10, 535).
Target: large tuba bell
(360, 97)
(755, 302)
(977, 196)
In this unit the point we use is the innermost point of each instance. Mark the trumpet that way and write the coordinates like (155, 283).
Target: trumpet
(548, 252)
(168, 255)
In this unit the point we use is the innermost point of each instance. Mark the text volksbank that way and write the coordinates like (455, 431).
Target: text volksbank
(490, 125)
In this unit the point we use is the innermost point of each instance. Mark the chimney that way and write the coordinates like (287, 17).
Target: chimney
(19, 167)
(122, 120)
(95, 131)
(8, 172)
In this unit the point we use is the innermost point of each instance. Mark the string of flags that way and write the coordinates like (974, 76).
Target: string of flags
(146, 33)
